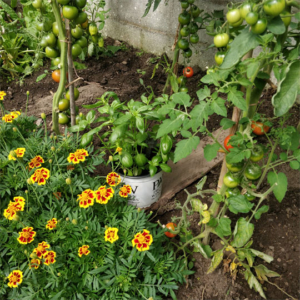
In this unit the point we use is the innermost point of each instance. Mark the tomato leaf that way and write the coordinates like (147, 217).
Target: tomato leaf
(185, 147)
(203, 93)
(205, 250)
(223, 228)
(260, 211)
(287, 90)
(239, 204)
(217, 259)
(169, 125)
(199, 113)
(262, 255)
(226, 123)
(276, 26)
(182, 99)
(236, 97)
(253, 283)
(242, 233)
(211, 151)
(281, 188)
(219, 108)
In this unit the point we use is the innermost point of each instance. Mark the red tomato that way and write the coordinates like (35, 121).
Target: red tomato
(172, 227)
(188, 72)
(259, 128)
(226, 145)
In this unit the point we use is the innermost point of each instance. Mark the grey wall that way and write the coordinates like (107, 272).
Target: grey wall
(156, 32)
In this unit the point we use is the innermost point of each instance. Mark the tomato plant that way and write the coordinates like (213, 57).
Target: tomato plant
(188, 72)
(170, 226)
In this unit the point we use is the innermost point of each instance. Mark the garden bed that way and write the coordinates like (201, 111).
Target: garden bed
(277, 234)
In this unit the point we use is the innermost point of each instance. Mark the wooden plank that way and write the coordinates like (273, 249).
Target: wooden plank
(189, 169)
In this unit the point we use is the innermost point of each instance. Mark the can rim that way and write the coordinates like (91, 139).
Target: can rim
(138, 177)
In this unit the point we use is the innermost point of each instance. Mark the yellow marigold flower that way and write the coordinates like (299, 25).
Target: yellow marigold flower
(15, 114)
(51, 224)
(7, 118)
(19, 152)
(21, 201)
(119, 149)
(12, 209)
(111, 234)
(125, 191)
(103, 194)
(49, 257)
(142, 240)
(26, 236)
(113, 179)
(86, 198)
(78, 156)
(2, 94)
(41, 249)
(40, 176)
(15, 278)
(36, 162)
(84, 250)
(34, 263)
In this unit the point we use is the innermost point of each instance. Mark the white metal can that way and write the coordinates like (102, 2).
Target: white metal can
(145, 189)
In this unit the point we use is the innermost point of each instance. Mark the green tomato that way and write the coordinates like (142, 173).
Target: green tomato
(238, 23)
(82, 42)
(76, 94)
(253, 171)
(81, 18)
(191, 1)
(232, 192)
(187, 53)
(245, 9)
(230, 180)
(274, 7)
(233, 16)
(183, 44)
(184, 89)
(257, 153)
(80, 3)
(70, 12)
(43, 42)
(235, 167)
(193, 28)
(219, 57)
(77, 32)
(51, 52)
(63, 119)
(140, 159)
(260, 26)
(184, 18)
(185, 31)
(181, 80)
(101, 42)
(194, 38)
(63, 104)
(51, 39)
(126, 160)
(195, 11)
(221, 40)
(184, 4)
(56, 61)
(249, 197)
(76, 50)
(251, 18)
(286, 18)
(93, 30)
(63, 2)
(94, 39)
(55, 29)
(37, 4)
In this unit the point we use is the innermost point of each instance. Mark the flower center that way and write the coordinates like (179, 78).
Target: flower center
(39, 176)
(26, 235)
(84, 250)
(40, 249)
(85, 197)
(103, 192)
(124, 189)
(14, 278)
(141, 239)
(113, 178)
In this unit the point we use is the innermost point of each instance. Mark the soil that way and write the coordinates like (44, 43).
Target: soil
(276, 233)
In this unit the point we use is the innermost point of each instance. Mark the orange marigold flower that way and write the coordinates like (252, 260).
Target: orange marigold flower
(36, 162)
(86, 198)
(119, 149)
(113, 179)
(49, 257)
(51, 224)
(12, 209)
(111, 234)
(7, 118)
(15, 278)
(26, 236)
(142, 240)
(40, 250)
(84, 250)
(40, 176)
(15, 114)
(19, 152)
(125, 191)
(2, 94)
(82, 154)
(103, 194)
(34, 263)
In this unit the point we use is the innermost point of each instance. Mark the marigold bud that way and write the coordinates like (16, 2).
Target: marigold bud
(67, 219)
(139, 209)
(106, 226)
(52, 148)
(74, 221)
(51, 136)
(29, 181)
(43, 116)
(26, 191)
(64, 139)
(27, 93)
(124, 171)
(33, 255)
(110, 158)
(12, 153)
(16, 218)
(68, 181)
(55, 137)
(14, 129)
(58, 274)
(50, 161)
(25, 251)
(86, 227)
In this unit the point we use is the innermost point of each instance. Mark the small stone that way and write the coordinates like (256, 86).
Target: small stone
(278, 259)
(103, 81)
(286, 283)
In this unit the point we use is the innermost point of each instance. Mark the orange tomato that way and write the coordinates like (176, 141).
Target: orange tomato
(172, 227)
(56, 75)
(226, 145)
(259, 128)
(188, 72)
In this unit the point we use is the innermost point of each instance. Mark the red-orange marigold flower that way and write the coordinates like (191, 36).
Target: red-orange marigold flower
(19, 152)
(86, 198)
(36, 162)
(40, 176)
(51, 224)
(2, 94)
(84, 250)
(78, 156)
(103, 194)
(40, 250)
(125, 191)
(12, 209)
(34, 263)
(113, 179)
(26, 236)
(142, 240)
(7, 118)
(49, 257)
(15, 278)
